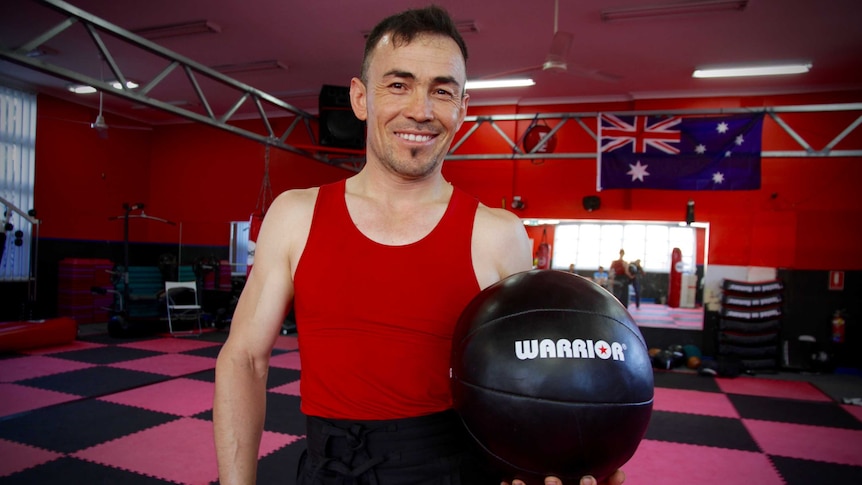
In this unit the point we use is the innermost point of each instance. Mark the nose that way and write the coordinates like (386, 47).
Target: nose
(419, 106)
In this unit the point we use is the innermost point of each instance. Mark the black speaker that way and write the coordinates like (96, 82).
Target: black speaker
(689, 212)
(339, 127)
(592, 202)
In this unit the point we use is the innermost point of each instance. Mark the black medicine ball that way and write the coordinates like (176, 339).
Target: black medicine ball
(551, 376)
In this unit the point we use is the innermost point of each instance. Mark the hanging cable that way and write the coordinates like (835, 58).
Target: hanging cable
(264, 197)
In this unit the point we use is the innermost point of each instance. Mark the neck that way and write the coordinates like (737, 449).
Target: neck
(386, 187)
(394, 211)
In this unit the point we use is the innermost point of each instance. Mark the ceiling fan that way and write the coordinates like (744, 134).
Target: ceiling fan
(100, 126)
(556, 60)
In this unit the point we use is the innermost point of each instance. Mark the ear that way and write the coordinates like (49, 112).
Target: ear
(359, 98)
(465, 100)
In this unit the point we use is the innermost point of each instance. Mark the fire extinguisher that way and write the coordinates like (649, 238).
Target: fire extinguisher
(543, 253)
(838, 325)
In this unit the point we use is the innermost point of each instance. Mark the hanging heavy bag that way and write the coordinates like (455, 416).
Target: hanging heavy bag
(264, 199)
(254, 223)
(543, 252)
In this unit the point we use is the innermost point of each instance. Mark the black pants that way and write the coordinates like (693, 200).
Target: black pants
(428, 450)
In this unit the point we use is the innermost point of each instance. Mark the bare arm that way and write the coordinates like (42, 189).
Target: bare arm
(500, 245)
(239, 405)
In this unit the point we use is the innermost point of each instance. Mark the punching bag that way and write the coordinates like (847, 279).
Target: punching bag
(264, 199)
(674, 291)
(254, 223)
(543, 252)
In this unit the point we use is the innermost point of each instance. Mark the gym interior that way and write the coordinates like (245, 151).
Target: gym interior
(104, 378)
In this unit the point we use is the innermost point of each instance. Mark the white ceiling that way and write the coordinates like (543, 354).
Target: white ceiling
(321, 42)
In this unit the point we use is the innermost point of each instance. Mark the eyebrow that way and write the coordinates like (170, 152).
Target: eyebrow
(410, 75)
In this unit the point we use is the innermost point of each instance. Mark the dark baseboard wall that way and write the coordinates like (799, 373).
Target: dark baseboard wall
(17, 301)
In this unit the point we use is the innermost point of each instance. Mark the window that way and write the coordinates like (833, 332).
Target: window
(17, 176)
(239, 246)
(589, 245)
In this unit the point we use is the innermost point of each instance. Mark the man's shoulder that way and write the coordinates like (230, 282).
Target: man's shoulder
(496, 216)
(498, 224)
(297, 198)
(293, 206)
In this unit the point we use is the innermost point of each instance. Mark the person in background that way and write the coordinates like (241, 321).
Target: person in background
(620, 277)
(572, 268)
(378, 268)
(600, 277)
(637, 272)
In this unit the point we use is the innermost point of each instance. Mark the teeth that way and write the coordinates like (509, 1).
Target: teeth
(412, 137)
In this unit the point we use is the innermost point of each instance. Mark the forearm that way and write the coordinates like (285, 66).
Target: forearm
(239, 410)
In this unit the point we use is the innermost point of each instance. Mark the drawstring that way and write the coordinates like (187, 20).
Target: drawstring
(357, 451)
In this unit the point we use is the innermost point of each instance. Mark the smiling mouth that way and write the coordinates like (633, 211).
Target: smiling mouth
(415, 138)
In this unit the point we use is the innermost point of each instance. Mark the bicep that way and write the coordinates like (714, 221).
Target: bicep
(500, 246)
(516, 253)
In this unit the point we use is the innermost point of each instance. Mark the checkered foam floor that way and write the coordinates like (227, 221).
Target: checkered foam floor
(104, 410)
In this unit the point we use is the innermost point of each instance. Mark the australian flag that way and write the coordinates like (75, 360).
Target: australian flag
(679, 153)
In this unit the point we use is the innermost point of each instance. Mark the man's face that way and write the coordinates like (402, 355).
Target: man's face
(413, 102)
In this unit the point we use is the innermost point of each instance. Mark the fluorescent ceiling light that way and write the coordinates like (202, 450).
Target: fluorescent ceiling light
(129, 84)
(81, 89)
(669, 9)
(752, 71)
(500, 83)
(178, 30)
(84, 89)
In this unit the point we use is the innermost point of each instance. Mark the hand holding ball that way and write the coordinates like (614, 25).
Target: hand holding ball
(551, 376)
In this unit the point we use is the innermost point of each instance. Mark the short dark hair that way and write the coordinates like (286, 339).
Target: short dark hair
(406, 25)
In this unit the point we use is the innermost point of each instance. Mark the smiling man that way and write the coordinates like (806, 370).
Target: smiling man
(378, 267)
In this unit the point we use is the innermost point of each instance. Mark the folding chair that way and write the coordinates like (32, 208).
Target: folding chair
(181, 298)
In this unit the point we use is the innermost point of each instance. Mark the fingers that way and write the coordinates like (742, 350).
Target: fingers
(548, 481)
(617, 478)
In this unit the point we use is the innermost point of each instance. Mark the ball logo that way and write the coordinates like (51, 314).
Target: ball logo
(569, 349)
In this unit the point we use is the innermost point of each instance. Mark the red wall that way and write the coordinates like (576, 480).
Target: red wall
(207, 178)
(805, 216)
(83, 180)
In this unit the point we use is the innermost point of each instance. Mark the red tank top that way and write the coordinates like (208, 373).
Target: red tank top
(375, 322)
